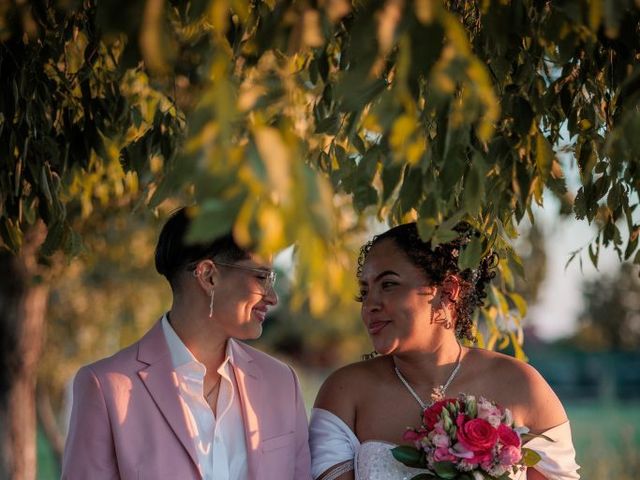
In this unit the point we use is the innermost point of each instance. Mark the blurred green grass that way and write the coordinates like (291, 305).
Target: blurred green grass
(607, 439)
(48, 468)
(606, 436)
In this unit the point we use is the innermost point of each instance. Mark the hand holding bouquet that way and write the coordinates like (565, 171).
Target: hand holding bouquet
(466, 438)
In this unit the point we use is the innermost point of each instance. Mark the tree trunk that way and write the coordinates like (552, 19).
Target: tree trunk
(23, 302)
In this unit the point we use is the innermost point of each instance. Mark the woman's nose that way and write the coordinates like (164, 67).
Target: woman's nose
(371, 302)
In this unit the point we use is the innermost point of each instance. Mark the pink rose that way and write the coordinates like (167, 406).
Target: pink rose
(509, 455)
(443, 455)
(489, 412)
(432, 414)
(478, 436)
(508, 436)
(440, 440)
(414, 436)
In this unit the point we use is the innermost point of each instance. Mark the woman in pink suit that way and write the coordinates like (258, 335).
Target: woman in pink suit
(189, 400)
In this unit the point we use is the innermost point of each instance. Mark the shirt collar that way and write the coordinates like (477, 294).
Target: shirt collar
(181, 355)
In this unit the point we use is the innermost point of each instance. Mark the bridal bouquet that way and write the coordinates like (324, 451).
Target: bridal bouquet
(466, 438)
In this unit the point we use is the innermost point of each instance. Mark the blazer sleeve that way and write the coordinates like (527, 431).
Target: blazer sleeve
(303, 455)
(89, 450)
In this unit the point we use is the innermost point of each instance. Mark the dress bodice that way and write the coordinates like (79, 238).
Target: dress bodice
(375, 461)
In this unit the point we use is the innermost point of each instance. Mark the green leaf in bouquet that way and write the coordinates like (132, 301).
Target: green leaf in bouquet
(530, 457)
(471, 407)
(445, 470)
(454, 409)
(409, 456)
(424, 476)
(465, 476)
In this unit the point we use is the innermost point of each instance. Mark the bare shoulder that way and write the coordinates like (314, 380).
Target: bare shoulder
(343, 390)
(520, 386)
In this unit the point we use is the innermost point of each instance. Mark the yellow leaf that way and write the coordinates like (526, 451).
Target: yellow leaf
(415, 150)
(517, 347)
(595, 14)
(74, 52)
(585, 124)
(537, 190)
(520, 302)
(425, 10)
(402, 129)
(218, 15)
(241, 9)
(271, 226)
(502, 301)
(241, 227)
(275, 154)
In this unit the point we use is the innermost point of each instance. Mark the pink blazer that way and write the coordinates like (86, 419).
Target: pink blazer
(127, 421)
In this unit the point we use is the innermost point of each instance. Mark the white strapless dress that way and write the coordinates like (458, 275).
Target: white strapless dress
(332, 442)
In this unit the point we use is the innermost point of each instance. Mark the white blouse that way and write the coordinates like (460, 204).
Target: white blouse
(332, 442)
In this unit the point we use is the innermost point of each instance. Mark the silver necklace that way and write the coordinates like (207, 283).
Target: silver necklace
(438, 392)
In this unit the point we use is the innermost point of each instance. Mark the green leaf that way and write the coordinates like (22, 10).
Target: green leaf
(426, 228)
(544, 156)
(215, 217)
(471, 254)
(530, 457)
(359, 144)
(409, 456)
(329, 125)
(54, 240)
(391, 175)
(474, 185)
(425, 476)
(445, 470)
(443, 235)
(364, 195)
(411, 190)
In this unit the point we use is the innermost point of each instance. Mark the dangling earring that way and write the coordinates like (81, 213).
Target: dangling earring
(447, 316)
(441, 316)
(211, 303)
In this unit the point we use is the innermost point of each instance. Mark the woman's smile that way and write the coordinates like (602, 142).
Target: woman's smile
(376, 326)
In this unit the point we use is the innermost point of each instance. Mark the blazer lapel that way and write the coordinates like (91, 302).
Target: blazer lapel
(250, 390)
(161, 381)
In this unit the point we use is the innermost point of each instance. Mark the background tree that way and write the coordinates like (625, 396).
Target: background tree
(610, 320)
(75, 131)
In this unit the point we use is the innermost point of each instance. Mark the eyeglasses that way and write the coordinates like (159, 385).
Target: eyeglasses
(266, 278)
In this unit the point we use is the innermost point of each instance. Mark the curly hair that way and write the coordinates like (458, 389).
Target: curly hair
(441, 261)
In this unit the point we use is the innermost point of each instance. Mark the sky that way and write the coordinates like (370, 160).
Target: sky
(560, 301)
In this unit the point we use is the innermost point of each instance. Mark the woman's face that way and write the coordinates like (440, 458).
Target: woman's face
(396, 300)
(243, 295)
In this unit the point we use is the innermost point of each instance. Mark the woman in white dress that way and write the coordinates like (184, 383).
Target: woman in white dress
(416, 305)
